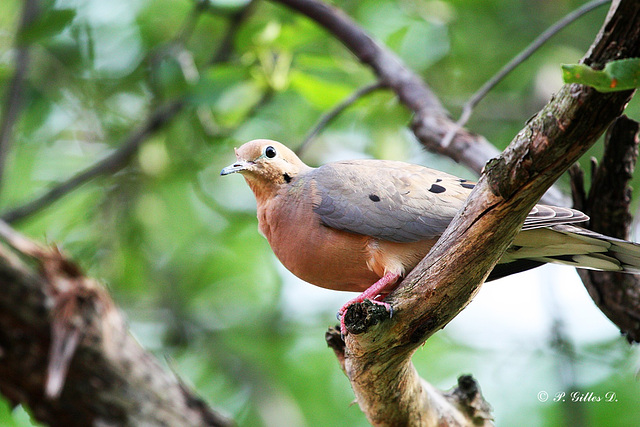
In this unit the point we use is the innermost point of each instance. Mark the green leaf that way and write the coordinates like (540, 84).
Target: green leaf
(623, 74)
(395, 39)
(214, 83)
(320, 93)
(47, 25)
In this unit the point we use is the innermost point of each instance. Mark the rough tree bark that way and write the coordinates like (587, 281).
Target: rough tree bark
(377, 354)
(53, 317)
(607, 203)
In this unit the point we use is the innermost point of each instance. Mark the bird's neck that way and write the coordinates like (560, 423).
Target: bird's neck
(268, 184)
(274, 200)
(263, 190)
(268, 206)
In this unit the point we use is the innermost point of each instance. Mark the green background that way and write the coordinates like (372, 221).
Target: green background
(178, 247)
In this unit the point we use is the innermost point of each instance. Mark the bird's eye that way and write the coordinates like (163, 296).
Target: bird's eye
(270, 152)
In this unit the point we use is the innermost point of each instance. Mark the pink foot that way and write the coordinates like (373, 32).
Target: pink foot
(382, 287)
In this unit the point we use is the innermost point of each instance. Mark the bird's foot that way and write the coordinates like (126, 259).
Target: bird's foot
(374, 293)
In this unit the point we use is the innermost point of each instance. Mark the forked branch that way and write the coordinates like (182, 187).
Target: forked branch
(448, 278)
(431, 121)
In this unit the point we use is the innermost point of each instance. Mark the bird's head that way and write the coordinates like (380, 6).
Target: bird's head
(264, 162)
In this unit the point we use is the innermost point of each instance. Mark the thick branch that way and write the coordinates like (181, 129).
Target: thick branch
(54, 318)
(431, 121)
(448, 278)
(616, 294)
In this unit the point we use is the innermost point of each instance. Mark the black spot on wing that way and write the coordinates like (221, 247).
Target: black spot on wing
(438, 180)
(435, 188)
(345, 200)
(464, 183)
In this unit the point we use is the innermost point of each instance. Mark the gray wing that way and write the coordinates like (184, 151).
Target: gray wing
(401, 202)
(392, 201)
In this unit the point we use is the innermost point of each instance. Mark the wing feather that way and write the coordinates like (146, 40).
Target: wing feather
(401, 202)
(387, 200)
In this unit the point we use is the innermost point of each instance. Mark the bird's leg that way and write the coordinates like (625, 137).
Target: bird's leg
(382, 287)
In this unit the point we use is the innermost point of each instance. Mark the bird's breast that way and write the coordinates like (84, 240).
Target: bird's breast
(313, 252)
(327, 257)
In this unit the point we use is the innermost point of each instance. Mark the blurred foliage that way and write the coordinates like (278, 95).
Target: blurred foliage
(178, 246)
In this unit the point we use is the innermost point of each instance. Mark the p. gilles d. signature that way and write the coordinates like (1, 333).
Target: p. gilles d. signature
(578, 396)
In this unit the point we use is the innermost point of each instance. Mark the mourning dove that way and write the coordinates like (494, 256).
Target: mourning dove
(360, 225)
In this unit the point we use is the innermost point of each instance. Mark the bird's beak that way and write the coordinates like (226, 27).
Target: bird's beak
(238, 166)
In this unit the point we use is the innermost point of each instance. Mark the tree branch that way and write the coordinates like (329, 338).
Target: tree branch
(110, 164)
(431, 121)
(608, 202)
(52, 318)
(335, 112)
(157, 119)
(377, 353)
(468, 106)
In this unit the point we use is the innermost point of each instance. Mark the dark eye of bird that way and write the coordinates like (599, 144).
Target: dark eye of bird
(270, 152)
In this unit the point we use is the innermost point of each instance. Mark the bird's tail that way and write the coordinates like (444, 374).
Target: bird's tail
(568, 245)
(578, 247)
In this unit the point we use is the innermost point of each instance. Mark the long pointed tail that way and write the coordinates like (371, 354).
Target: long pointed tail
(568, 245)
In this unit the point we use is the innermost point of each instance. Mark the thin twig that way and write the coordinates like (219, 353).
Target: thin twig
(468, 107)
(431, 121)
(121, 157)
(191, 21)
(226, 44)
(13, 101)
(112, 163)
(337, 110)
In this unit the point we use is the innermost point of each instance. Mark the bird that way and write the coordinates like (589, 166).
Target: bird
(361, 225)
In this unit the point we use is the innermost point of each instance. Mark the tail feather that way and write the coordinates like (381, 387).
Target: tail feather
(547, 216)
(629, 262)
(575, 246)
